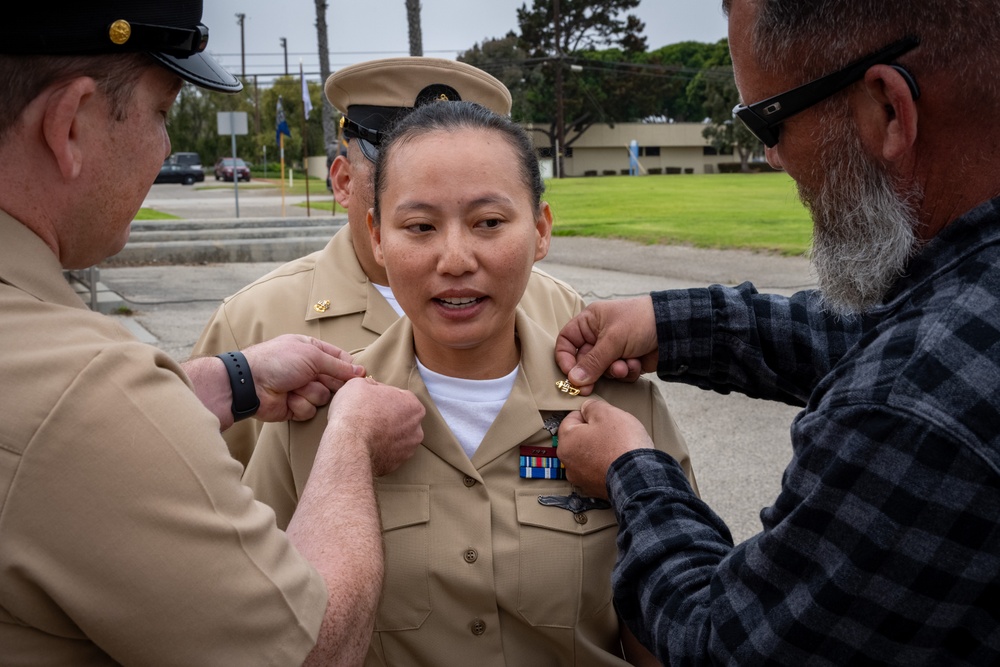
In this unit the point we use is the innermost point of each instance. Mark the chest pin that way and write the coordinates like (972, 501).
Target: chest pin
(322, 306)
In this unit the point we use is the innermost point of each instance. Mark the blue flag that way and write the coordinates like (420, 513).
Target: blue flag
(282, 124)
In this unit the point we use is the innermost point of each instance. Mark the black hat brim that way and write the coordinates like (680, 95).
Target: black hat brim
(201, 70)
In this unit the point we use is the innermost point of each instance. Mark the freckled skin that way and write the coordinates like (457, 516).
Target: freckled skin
(458, 225)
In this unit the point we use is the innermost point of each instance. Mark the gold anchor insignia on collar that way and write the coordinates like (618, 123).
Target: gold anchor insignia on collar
(567, 388)
(322, 306)
(442, 98)
(120, 31)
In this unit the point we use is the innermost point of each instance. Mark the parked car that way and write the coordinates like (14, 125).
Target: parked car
(192, 159)
(226, 166)
(186, 174)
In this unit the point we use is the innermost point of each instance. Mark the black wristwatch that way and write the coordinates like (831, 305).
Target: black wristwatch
(245, 401)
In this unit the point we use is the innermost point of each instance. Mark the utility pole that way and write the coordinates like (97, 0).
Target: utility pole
(284, 45)
(243, 59)
(560, 123)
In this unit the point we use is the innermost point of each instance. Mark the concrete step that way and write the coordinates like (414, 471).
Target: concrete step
(216, 241)
(278, 233)
(236, 223)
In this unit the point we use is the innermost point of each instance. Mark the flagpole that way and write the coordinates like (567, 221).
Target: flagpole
(281, 141)
(305, 134)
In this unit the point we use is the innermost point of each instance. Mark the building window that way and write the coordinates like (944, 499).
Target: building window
(709, 150)
(546, 151)
(650, 151)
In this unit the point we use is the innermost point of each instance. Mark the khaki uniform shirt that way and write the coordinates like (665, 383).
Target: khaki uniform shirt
(125, 533)
(327, 295)
(477, 570)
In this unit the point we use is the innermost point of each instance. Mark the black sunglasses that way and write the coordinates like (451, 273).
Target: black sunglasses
(763, 118)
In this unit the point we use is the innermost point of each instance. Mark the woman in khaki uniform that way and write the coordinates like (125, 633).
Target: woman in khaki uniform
(490, 557)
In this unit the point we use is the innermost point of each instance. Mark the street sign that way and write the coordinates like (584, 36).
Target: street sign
(232, 122)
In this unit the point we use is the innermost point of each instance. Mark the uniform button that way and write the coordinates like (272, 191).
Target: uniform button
(478, 626)
(471, 556)
(580, 518)
(469, 481)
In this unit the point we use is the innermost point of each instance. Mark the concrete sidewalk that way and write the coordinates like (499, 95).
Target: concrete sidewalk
(739, 446)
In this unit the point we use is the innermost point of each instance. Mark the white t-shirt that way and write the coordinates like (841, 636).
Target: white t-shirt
(469, 407)
(386, 291)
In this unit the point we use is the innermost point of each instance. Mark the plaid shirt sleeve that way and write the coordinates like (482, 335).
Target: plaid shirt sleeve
(882, 548)
(735, 339)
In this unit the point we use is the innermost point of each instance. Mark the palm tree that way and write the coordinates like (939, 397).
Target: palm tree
(413, 20)
(329, 126)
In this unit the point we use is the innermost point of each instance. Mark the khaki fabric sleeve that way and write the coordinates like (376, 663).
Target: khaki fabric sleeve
(127, 522)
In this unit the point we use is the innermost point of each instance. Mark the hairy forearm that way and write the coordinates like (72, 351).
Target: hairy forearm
(336, 527)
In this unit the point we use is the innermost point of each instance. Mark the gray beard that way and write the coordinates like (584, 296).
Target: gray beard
(864, 227)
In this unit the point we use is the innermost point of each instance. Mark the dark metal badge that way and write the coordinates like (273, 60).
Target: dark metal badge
(574, 502)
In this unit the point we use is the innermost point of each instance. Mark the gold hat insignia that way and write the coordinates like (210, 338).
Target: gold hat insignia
(442, 97)
(322, 306)
(120, 31)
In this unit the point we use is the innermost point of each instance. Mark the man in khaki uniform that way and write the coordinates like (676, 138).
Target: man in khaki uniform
(340, 294)
(126, 536)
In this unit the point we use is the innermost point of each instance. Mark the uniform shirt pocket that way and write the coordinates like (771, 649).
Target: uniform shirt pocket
(565, 560)
(405, 510)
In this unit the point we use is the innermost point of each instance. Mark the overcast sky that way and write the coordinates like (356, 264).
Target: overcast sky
(366, 29)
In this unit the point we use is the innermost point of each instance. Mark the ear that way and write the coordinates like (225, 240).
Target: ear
(375, 231)
(888, 123)
(65, 121)
(340, 180)
(543, 225)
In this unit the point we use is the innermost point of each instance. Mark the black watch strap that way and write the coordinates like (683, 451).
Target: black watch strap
(245, 401)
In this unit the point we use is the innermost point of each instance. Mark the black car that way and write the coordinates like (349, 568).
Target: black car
(180, 173)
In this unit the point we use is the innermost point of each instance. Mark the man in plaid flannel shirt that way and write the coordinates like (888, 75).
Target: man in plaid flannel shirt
(884, 543)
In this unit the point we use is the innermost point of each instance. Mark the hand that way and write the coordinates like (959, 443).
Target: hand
(295, 374)
(385, 418)
(592, 438)
(614, 338)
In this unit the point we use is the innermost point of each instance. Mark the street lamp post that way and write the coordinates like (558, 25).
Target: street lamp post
(243, 60)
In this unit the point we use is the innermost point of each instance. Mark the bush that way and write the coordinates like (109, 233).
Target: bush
(590, 172)
(754, 167)
(673, 170)
(609, 172)
(655, 171)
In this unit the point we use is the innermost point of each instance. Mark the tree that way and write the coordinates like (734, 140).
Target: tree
(505, 59)
(329, 123)
(718, 87)
(570, 77)
(673, 68)
(413, 22)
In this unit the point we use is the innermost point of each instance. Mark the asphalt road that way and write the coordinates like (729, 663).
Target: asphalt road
(739, 446)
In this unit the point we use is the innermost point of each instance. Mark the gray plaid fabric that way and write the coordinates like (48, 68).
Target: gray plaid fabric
(883, 545)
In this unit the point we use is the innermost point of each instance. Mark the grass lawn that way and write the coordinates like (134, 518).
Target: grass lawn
(153, 214)
(751, 211)
(754, 211)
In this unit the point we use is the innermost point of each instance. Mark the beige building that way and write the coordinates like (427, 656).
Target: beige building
(663, 148)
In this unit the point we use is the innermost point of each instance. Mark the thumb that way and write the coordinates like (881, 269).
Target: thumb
(589, 410)
(590, 365)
